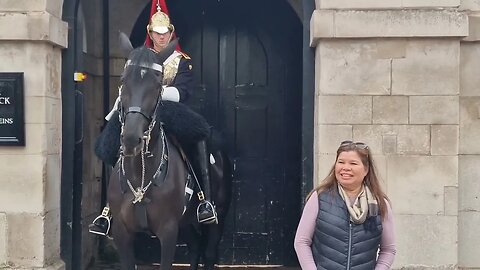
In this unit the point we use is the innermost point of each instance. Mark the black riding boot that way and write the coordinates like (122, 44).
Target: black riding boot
(206, 210)
(101, 224)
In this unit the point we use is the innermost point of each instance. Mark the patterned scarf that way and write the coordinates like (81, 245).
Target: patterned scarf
(364, 205)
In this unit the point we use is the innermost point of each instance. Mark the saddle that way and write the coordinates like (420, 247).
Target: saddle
(178, 119)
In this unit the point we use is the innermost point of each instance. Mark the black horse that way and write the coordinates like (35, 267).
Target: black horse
(147, 189)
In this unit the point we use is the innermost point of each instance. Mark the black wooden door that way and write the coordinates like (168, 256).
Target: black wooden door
(247, 62)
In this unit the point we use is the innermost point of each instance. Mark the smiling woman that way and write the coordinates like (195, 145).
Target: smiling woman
(350, 198)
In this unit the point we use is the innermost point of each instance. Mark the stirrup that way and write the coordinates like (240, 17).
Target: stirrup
(105, 215)
(209, 220)
(108, 220)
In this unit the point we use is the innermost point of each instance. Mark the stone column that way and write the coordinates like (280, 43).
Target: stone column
(32, 35)
(387, 74)
(469, 145)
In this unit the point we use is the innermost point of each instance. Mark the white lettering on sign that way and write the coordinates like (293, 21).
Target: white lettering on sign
(5, 101)
(6, 121)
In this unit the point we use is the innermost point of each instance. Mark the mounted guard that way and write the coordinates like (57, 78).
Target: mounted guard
(177, 85)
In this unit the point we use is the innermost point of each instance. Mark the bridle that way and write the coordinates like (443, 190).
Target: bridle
(151, 119)
(140, 191)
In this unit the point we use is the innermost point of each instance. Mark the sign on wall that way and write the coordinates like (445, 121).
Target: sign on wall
(12, 126)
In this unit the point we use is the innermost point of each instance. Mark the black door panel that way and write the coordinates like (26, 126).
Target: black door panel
(245, 62)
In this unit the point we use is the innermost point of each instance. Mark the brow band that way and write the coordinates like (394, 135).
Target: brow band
(153, 66)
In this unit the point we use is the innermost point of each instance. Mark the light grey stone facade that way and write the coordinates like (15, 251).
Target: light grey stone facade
(402, 76)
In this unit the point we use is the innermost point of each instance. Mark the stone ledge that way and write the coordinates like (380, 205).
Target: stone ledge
(326, 24)
(385, 4)
(58, 265)
(33, 26)
(473, 27)
(473, 5)
(52, 6)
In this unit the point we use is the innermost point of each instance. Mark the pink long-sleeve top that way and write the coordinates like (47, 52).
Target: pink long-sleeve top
(306, 228)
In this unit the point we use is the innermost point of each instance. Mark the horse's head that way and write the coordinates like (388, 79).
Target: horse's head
(140, 93)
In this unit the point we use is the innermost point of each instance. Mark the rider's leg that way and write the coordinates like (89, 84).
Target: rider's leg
(206, 211)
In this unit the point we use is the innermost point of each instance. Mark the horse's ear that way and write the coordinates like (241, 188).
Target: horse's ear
(167, 51)
(125, 44)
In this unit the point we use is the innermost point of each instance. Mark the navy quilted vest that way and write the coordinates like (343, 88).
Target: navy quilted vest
(340, 244)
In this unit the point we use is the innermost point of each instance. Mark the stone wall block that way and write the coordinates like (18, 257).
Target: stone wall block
(384, 4)
(53, 7)
(345, 110)
(380, 162)
(473, 27)
(35, 109)
(54, 73)
(22, 190)
(473, 5)
(54, 139)
(322, 24)
(423, 180)
(469, 67)
(430, 68)
(23, 5)
(440, 110)
(391, 48)
(390, 110)
(425, 241)
(469, 184)
(52, 185)
(3, 239)
(26, 240)
(352, 67)
(389, 143)
(400, 23)
(330, 136)
(469, 125)
(390, 23)
(444, 140)
(51, 248)
(451, 201)
(38, 80)
(38, 26)
(411, 140)
(468, 239)
(323, 165)
(35, 142)
(430, 3)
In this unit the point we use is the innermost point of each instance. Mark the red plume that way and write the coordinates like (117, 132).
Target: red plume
(153, 9)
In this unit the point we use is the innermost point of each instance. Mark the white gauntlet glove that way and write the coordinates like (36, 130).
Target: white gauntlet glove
(115, 106)
(171, 93)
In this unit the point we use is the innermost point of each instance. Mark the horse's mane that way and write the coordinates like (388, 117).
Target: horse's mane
(140, 55)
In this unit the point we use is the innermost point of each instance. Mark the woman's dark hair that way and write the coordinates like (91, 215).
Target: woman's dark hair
(371, 179)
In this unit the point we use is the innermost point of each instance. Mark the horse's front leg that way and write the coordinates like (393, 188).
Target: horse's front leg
(168, 240)
(124, 243)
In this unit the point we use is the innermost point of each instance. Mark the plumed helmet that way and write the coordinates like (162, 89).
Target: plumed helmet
(160, 23)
